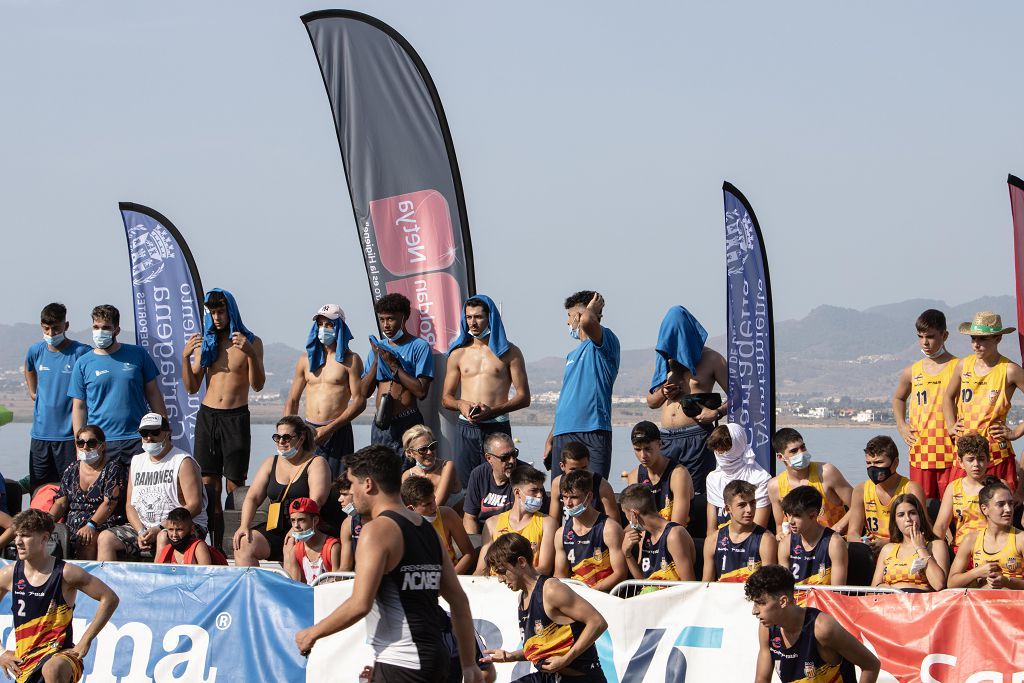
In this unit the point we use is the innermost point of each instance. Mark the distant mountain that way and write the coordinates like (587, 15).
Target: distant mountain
(832, 351)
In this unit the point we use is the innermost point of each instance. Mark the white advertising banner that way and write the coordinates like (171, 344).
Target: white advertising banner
(695, 632)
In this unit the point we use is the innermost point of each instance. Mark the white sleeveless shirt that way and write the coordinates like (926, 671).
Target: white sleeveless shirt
(155, 487)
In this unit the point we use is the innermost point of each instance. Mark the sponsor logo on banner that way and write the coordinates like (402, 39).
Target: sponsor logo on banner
(150, 248)
(414, 232)
(436, 307)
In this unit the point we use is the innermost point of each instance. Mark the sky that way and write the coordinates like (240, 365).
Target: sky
(872, 139)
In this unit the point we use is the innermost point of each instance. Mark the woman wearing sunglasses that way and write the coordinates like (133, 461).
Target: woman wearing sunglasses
(91, 493)
(421, 446)
(294, 471)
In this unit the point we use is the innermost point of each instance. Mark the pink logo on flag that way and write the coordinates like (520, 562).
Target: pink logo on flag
(414, 232)
(436, 307)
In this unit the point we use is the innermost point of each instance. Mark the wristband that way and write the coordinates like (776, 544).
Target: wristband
(92, 524)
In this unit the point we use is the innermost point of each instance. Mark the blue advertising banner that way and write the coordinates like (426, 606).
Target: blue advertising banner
(190, 623)
(750, 327)
(166, 299)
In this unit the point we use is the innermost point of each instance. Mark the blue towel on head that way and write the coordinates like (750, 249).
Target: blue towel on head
(497, 340)
(681, 338)
(315, 348)
(209, 353)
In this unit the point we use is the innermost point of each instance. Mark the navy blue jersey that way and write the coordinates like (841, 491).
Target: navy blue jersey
(734, 562)
(802, 663)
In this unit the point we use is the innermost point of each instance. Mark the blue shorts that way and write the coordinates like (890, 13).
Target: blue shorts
(598, 442)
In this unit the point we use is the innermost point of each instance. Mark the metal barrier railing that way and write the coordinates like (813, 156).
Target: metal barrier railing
(333, 576)
(851, 590)
(631, 587)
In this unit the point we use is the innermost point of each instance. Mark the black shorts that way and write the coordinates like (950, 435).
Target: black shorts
(124, 450)
(47, 461)
(223, 441)
(468, 445)
(340, 445)
(591, 674)
(434, 672)
(392, 436)
(688, 446)
(275, 539)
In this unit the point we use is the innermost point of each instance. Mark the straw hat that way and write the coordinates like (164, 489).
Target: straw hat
(984, 324)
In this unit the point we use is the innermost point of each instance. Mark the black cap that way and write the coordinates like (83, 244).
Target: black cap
(645, 432)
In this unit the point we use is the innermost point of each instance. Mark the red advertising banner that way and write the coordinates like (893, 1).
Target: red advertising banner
(1016, 186)
(974, 636)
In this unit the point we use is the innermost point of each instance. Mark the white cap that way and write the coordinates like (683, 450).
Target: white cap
(152, 421)
(330, 311)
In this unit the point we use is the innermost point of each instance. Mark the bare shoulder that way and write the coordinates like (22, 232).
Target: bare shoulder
(513, 353)
(6, 576)
(449, 516)
(75, 576)
(826, 628)
(710, 356)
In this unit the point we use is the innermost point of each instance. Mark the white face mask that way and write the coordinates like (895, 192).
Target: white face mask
(152, 448)
(482, 334)
(800, 460)
(102, 338)
(55, 340)
(935, 355)
(430, 518)
(532, 504)
(89, 457)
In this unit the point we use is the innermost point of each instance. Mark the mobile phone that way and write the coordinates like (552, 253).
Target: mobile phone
(474, 411)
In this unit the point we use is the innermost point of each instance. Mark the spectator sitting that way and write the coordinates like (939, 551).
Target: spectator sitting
(524, 518)
(816, 554)
(489, 491)
(183, 546)
(421, 447)
(308, 552)
(736, 462)
(92, 493)
(161, 478)
(418, 496)
(655, 548)
(351, 527)
(925, 561)
(294, 471)
(671, 484)
(869, 507)
(960, 500)
(575, 456)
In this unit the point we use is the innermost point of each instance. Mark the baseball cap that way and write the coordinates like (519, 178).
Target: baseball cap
(330, 311)
(154, 421)
(306, 505)
(645, 432)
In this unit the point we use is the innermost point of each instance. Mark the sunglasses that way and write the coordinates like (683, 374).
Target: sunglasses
(87, 443)
(511, 455)
(429, 448)
(694, 403)
(283, 438)
(154, 433)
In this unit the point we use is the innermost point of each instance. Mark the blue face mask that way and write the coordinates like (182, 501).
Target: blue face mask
(574, 332)
(800, 460)
(55, 340)
(482, 334)
(349, 509)
(398, 335)
(102, 338)
(576, 510)
(326, 335)
(303, 535)
(532, 504)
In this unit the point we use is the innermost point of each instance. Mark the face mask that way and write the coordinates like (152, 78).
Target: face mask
(481, 334)
(89, 457)
(430, 518)
(879, 474)
(326, 335)
(303, 535)
(102, 338)
(290, 453)
(349, 509)
(183, 544)
(636, 526)
(574, 332)
(55, 340)
(577, 510)
(426, 468)
(532, 504)
(729, 462)
(153, 448)
(800, 460)
(398, 335)
(935, 355)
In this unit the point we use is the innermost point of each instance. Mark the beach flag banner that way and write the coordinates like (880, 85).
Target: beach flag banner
(166, 296)
(1017, 209)
(750, 327)
(402, 176)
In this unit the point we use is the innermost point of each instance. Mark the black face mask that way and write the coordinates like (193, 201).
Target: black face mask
(879, 474)
(182, 545)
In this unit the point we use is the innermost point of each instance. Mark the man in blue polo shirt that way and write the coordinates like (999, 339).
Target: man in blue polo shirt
(114, 386)
(48, 366)
(584, 411)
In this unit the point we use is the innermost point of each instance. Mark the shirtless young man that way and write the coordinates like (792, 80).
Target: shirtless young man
(482, 366)
(329, 373)
(400, 366)
(686, 367)
(977, 398)
(230, 359)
